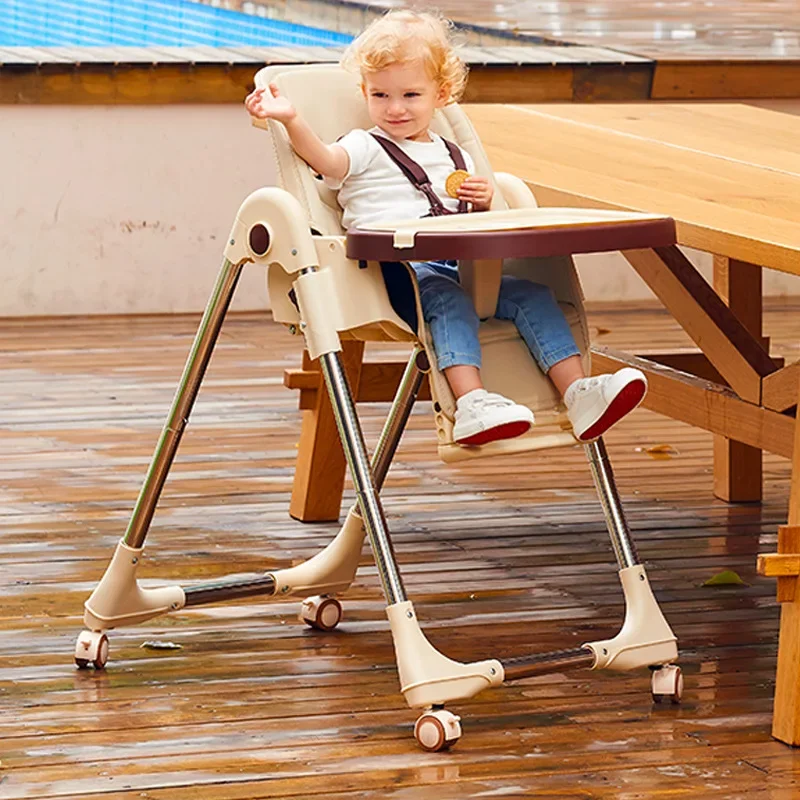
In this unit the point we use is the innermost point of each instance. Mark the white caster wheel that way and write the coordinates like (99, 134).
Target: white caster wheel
(667, 684)
(437, 730)
(322, 613)
(91, 648)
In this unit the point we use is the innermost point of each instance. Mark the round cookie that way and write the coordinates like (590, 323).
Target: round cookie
(454, 181)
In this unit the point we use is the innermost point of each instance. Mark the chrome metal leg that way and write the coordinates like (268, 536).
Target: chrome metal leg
(624, 548)
(356, 452)
(192, 377)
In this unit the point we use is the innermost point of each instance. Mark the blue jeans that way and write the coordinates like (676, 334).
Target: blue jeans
(453, 323)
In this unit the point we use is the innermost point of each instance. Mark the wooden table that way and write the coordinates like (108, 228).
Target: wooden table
(729, 175)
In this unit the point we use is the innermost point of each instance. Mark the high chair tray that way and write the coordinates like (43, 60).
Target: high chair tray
(510, 234)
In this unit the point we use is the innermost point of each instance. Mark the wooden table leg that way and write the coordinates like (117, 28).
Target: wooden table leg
(786, 714)
(737, 466)
(319, 475)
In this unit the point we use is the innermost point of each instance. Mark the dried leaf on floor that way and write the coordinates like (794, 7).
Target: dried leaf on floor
(725, 578)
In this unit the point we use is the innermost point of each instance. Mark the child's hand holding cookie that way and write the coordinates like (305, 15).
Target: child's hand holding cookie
(476, 190)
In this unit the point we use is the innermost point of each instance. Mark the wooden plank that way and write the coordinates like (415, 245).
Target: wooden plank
(563, 82)
(378, 383)
(128, 84)
(380, 379)
(703, 404)
(198, 76)
(725, 131)
(786, 720)
(779, 390)
(737, 466)
(774, 565)
(496, 84)
(606, 83)
(704, 80)
(737, 355)
(693, 362)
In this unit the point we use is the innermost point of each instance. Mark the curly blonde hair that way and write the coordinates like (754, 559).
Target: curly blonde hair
(404, 36)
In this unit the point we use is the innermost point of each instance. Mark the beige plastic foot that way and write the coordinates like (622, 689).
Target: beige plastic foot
(91, 648)
(667, 684)
(437, 730)
(428, 678)
(119, 600)
(645, 638)
(322, 613)
(330, 571)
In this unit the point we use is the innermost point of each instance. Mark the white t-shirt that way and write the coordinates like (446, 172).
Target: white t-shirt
(375, 189)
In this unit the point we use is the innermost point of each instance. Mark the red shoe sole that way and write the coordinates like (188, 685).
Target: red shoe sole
(622, 404)
(507, 431)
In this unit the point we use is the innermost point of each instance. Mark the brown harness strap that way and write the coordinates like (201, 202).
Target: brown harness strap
(419, 178)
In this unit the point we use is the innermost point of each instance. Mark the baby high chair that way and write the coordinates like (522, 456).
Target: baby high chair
(328, 286)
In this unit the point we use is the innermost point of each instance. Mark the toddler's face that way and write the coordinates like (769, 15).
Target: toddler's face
(401, 99)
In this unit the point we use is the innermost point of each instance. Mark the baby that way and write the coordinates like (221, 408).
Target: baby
(398, 170)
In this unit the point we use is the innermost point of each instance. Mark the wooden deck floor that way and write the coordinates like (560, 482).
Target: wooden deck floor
(501, 557)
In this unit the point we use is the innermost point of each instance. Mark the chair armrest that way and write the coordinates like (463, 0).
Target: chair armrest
(515, 191)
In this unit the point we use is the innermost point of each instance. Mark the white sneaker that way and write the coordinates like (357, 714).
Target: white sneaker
(483, 417)
(595, 404)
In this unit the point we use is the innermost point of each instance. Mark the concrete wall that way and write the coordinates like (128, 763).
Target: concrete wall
(125, 209)
(122, 209)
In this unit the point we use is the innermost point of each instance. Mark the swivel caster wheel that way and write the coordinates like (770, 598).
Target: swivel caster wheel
(667, 684)
(437, 729)
(91, 648)
(320, 612)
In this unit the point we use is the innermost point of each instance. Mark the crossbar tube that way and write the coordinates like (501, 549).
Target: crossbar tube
(542, 663)
(228, 589)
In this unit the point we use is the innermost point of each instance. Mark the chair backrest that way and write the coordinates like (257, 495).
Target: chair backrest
(330, 99)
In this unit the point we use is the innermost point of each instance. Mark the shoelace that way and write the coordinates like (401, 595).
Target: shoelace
(587, 384)
(497, 400)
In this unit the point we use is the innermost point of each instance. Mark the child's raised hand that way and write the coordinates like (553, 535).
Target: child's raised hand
(478, 191)
(263, 104)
